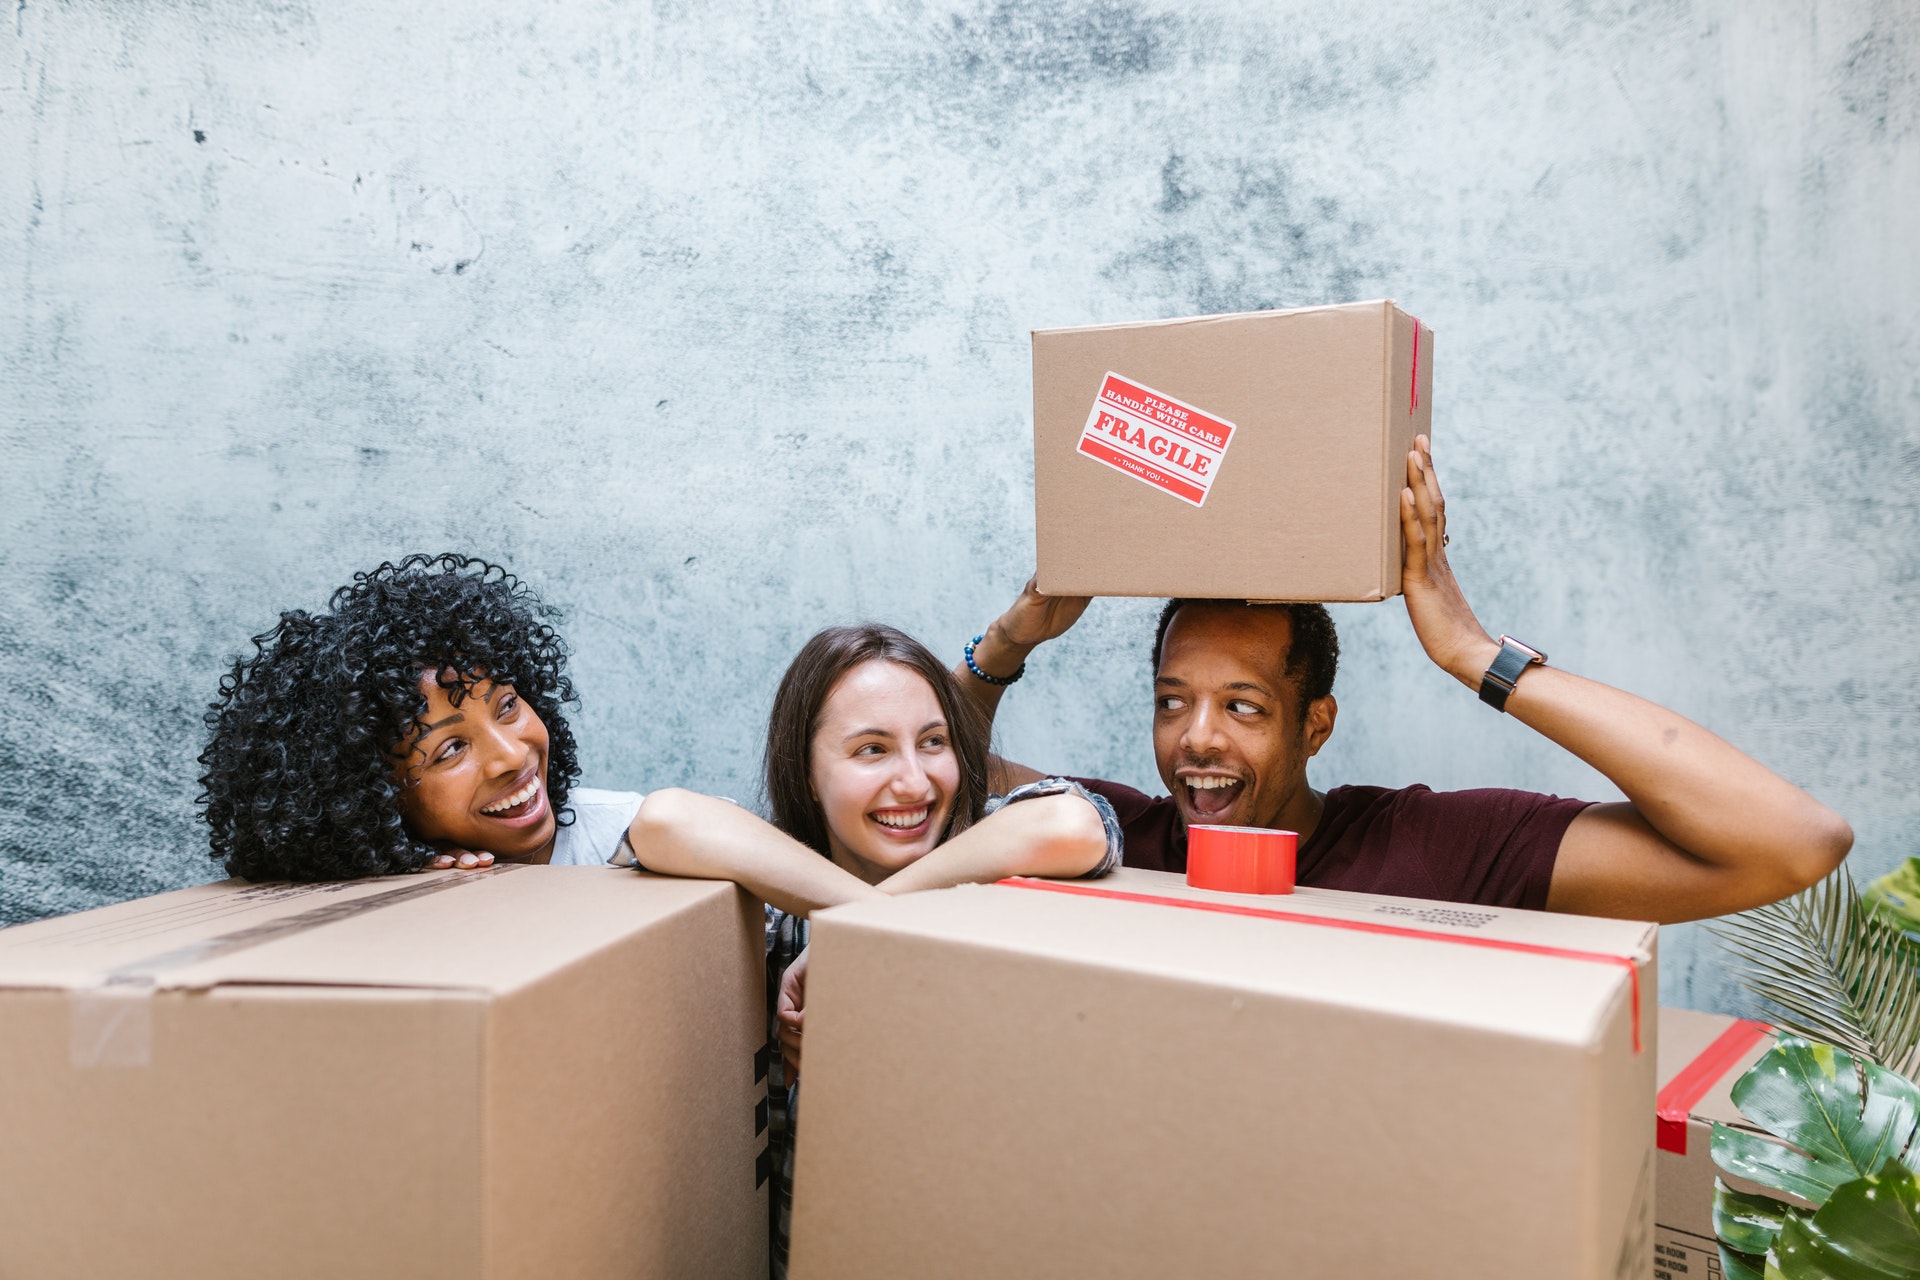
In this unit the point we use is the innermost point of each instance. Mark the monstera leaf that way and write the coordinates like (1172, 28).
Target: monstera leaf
(1747, 1226)
(1869, 1229)
(1844, 1124)
(1847, 1117)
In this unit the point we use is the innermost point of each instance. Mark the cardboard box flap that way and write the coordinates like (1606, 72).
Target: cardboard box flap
(443, 931)
(1702, 1055)
(1221, 318)
(1636, 938)
(1405, 971)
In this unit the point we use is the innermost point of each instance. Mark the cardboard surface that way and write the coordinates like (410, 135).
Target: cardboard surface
(1001, 1080)
(531, 1071)
(1253, 456)
(1684, 1244)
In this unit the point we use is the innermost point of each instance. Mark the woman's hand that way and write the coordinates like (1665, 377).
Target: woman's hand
(460, 859)
(1035, 618)
(791, 1011)
(1438, 609)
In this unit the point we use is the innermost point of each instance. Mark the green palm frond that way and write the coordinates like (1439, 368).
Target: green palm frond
(1829, 967)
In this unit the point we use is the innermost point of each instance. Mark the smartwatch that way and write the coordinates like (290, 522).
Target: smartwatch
(1497, 684)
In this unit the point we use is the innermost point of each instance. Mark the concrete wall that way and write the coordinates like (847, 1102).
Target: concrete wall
(711, 321)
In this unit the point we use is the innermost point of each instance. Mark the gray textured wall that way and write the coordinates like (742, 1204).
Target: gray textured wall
(711, 320)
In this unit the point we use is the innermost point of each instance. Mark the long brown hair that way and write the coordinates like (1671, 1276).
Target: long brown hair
(796, 715)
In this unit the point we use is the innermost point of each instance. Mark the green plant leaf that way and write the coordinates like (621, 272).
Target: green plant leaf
(1845, 1118)
(1741, 1266)
(1869, 1229)
(1898, 894)
(1745, 1222)
(1832, 967)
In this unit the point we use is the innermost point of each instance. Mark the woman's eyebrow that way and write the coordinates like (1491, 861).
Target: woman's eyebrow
(867, 733)
(931, 725)
(455, 718)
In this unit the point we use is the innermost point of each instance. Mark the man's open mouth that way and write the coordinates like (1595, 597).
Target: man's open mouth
(1210, 795)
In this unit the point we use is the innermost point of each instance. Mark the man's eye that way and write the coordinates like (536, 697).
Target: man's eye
(1241, 708)
(1169, 703)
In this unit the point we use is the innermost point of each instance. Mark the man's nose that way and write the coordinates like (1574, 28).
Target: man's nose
(1205, 733)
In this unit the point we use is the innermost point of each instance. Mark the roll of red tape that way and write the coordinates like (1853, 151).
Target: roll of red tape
(1241, 859)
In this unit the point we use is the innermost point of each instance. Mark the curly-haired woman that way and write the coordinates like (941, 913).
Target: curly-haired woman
(419, 716)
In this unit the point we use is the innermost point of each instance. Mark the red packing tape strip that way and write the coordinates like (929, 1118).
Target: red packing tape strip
(1354, 926)
(1413, 400)
(1676, 1099)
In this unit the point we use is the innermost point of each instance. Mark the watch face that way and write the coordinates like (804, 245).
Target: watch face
(1533, 654)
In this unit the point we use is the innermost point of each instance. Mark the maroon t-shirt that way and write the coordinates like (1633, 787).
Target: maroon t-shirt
(1491, 847)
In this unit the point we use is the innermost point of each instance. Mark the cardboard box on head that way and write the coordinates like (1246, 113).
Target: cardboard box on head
(1247, 457)
(1131, 1078)
(529, 1071)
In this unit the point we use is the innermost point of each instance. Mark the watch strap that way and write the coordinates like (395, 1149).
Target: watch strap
(1514, 658)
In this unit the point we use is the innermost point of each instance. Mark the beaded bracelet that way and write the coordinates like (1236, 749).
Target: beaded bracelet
(972, 666)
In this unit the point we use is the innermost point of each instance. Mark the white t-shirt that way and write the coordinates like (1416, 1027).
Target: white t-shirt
(600, 822)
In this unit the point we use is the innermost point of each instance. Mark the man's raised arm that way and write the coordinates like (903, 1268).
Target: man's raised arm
(1032, 620)
(1706, 828)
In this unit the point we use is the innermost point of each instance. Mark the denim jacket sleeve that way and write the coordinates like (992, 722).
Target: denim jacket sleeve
(1116, 844)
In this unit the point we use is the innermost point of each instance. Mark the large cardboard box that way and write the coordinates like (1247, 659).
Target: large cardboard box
(1131, 1078)
(1701, 1055)
(524, 1072)
(1251, 457)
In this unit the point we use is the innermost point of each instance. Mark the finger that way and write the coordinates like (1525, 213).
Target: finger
(1414, 534)
(1438, 499)
(441, 862)
(1426, 496)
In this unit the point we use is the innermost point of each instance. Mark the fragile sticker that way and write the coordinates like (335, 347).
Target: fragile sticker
(1156, 439)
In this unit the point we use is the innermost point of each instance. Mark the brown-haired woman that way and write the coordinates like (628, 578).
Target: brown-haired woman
(876, 773)
(877, 778)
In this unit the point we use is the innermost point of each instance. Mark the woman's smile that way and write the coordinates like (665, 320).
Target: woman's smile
(903, 824)
(523, 805)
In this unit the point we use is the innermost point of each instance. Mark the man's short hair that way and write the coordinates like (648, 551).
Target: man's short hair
(1312, 655)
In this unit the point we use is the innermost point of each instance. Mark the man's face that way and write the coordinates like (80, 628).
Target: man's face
(1229, 734)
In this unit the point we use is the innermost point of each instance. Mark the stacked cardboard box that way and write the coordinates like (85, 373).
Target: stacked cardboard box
(1256, 456)
(1135, 1078)
(1701, 1056)
(532, 1071)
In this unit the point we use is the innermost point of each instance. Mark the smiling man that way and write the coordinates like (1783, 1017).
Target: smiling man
(1243, 698)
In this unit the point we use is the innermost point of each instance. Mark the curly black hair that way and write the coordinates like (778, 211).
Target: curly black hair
(299, 780)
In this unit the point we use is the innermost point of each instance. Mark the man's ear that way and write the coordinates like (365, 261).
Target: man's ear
(1321, 713)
